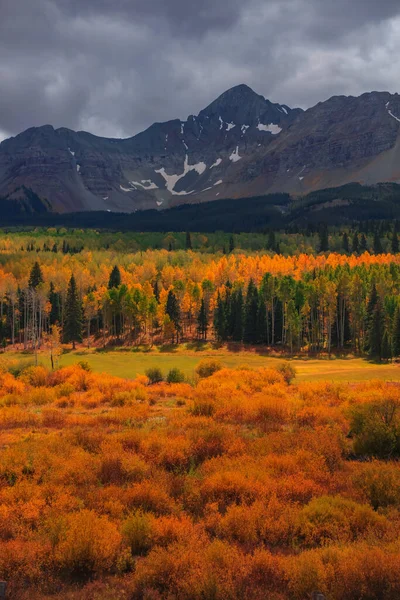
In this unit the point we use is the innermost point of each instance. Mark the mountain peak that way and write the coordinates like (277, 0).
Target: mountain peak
(242, 89)
(243, 106)
(232, 100)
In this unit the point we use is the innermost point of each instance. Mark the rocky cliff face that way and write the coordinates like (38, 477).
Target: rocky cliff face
(240, 145)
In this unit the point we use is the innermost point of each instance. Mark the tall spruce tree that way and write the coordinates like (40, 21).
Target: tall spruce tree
(188, 243)
(262, 326)
(236, 316)
(231, 243)
(115, 278)
(363, 243)
(355, 244)
(376, 331)
(372, 301)
(156, 291)
(173, 310)
(271, 243)
(73, 318)
(377, 243)
(396, 333)
(323, 240)
(395, 243)
(202, 321)
(55, 301)
(35, 277)
(220, 324)
(250, 331)
(387, 350)
(345, 243)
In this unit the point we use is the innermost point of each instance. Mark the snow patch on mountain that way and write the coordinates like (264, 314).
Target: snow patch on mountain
(172, 180)
(218, 182)
(394, 116)
(234, 157)
(230, 126)
(146, 184)
(221, 122)
(217, 163)
(245, 128)
(271, 128)
(78, 168)
(124, 189)
(70, 151)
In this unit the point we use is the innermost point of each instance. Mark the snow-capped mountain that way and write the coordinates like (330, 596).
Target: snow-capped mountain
(240, 145)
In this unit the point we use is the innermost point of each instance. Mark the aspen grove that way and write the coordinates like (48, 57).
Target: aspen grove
(314, 303)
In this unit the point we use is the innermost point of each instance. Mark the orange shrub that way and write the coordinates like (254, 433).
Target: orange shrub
(35, 376)
(89, 544)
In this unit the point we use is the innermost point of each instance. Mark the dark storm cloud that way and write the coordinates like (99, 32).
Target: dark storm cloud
(114, 67)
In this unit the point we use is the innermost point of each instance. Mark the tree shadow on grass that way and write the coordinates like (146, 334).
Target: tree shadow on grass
(168, 348)
(197, 345)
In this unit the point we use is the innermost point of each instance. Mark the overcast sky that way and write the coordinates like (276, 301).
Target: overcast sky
(113, 67)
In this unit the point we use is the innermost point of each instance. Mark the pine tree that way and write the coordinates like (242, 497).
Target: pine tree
(396, 333)
(115, 278)
(250, 335)
(376, 331)
(73, 315)
(262, 328)
(156, 291)
(231, 244)
(173, 311)
(377, 244)
(55, 301)
(278, 321)
(35, 277)
(202, 321)
(323, 240)
(372, 301)
(386, 352)
(188, 241)
(355, 244)
(237, 316)
(345, 243)
(220, 324)
(395, 243)
(363, 244)
(271, 244)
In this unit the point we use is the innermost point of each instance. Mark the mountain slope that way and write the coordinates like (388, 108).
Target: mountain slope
(240, 145)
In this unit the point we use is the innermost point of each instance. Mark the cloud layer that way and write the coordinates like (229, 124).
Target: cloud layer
(115, 67)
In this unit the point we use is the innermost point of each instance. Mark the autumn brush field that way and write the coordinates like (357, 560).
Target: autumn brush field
(246, 484)
(200, 423)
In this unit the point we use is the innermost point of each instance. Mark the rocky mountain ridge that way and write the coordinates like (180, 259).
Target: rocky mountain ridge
(241, 145)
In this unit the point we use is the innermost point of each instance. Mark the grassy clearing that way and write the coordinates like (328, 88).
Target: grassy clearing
(128, 364)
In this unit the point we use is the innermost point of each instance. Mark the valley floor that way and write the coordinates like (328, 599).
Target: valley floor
(131, 363)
